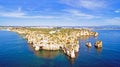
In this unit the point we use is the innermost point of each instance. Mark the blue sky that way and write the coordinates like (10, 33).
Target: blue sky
(59, 12)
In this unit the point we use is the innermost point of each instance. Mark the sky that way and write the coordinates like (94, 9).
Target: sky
(59, 12)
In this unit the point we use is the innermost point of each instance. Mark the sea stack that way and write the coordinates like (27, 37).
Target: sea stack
(96, 34)
(72, 54)
(88, 44)
(98, 44)
(37, 48)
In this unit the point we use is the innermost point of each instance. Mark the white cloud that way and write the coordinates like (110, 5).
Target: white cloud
(92, 4)
(73, 14)
(117, 11)
(88, 4)
(113, 21)
(19, 14)
(23, 15)
(15, 13)
(12, 14)
(44, 17)
(79, 14)
(19, 9)
(68, 15)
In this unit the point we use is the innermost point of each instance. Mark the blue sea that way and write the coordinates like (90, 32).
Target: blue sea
(16, 52)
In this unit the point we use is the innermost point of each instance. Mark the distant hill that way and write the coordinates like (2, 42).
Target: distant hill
(105, 27)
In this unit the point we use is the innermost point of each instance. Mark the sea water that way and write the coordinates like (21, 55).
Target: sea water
(16, 52)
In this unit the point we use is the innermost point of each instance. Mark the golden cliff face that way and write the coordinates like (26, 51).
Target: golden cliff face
(50, 39)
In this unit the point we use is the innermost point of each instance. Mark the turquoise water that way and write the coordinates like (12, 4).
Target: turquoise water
(15, 52)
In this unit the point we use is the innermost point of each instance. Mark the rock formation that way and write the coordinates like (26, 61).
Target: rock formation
(50, 39)
(88, 44)
(98, 44)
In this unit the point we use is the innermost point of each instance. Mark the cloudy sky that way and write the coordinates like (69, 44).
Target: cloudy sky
(60, 12)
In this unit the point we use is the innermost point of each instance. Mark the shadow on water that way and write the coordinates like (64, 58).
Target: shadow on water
(72, 60)
(53, 54)
(98, 50)
(88, 49)
(84, 37)
(45, 53)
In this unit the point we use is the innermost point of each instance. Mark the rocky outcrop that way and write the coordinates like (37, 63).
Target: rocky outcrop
(37, 48)
(48, 39)
(95, 34)
(88, 44)
(72, 54)
(98, 44)
(85, 32)
(50, 47)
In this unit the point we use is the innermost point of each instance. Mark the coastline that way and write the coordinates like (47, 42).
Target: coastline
(66, 40)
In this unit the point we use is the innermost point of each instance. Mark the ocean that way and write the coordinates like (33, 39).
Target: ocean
(16, 52)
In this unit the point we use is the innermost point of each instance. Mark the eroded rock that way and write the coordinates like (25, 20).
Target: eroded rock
(98, 44)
